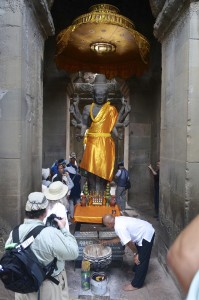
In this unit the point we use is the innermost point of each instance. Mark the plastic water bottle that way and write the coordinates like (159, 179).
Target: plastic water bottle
(85, 275)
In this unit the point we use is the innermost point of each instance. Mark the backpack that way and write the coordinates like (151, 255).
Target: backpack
(128, 184)
(123, 179)
(20, 270)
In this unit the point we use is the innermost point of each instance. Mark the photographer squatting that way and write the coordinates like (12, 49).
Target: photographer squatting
(48, 244)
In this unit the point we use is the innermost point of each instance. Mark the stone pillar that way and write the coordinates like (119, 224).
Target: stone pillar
(24, 26)
(179, 153)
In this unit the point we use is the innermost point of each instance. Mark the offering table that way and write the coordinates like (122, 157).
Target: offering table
(94, 214)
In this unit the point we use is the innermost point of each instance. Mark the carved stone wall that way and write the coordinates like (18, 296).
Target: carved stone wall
(156, 6)
(179, 126)
(168, 17)
(144, 129)
(22, 36)
(55, 108)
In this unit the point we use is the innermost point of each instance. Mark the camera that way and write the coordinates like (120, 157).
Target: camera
(51, 222)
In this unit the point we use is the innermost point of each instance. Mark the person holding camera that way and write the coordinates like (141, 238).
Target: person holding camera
(56, 195)
(63, 176)
(47, 245)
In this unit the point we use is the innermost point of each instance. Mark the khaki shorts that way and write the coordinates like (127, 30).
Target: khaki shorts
(49, 290)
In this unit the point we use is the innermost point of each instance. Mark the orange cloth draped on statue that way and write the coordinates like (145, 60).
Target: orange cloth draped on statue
(94, 214)
(99, 155)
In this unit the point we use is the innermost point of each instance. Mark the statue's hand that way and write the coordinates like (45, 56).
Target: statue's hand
(126, 123)
(71, 109)
(79, 137)
(76, 99)
(123, 100)
(120, 136)
(127, 108)
(74, 122)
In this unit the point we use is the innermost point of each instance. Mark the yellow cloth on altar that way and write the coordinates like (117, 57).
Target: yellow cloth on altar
(99, 155)
(94, 214)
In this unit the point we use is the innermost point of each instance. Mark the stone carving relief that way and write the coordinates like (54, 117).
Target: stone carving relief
(4, 232)
(3, 92)
(156, 6)
(117, 89)
(174, 32)
(171, 221)
(29, 113)
(11, 5)
(50, 3)
(171, 11)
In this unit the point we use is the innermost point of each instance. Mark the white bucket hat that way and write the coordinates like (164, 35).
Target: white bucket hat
(70, 170)
(36, 201)
(56, 191)
(45, 173)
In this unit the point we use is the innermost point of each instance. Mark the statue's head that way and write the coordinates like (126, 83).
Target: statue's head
(100, 89)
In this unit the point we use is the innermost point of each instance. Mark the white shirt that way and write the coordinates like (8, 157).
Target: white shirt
(118, 173)
(68, 181)
(60, 211)
(132, 229)
(193, 293)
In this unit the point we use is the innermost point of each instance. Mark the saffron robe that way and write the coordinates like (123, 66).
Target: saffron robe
(99, 155)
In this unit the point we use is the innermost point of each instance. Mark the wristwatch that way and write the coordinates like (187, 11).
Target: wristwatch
(134, 254)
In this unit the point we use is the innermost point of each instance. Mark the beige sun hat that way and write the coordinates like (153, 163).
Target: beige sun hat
(56, 191)
(36, 201)
(73, 155)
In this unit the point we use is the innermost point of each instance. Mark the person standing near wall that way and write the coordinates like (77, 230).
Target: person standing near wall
(121, 178)
(74, 197)
(156, 187)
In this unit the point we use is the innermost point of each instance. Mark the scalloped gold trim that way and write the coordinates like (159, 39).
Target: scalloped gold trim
(104, 8)
(104, 14)
(105, 18)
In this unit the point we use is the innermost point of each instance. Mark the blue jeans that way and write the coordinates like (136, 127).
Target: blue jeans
(120, 197)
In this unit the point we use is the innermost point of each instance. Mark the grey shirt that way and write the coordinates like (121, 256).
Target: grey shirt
(49, 243)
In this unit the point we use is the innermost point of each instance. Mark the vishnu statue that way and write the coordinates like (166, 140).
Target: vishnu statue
(97, 122)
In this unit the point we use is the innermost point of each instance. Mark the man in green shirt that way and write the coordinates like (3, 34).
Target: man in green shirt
(48, 244)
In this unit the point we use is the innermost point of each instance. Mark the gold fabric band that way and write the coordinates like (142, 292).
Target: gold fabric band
(96, 134)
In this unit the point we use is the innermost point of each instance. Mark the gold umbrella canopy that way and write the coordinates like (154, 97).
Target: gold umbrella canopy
(103, 41)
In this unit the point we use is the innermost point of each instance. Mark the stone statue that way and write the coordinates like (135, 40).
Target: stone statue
(96, 124)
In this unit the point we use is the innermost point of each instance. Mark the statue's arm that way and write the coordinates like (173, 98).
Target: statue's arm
(123, 124)
(115, 132)
(79, 120)
(123, 113)
(74, 110)
(85, 118)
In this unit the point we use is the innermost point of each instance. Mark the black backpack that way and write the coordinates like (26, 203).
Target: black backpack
(20, 270)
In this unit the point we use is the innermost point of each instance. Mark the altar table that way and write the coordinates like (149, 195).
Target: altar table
(94, 214)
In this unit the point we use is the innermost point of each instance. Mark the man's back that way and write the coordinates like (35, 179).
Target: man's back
(50, 243)
(133, 229)
(122, 176)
